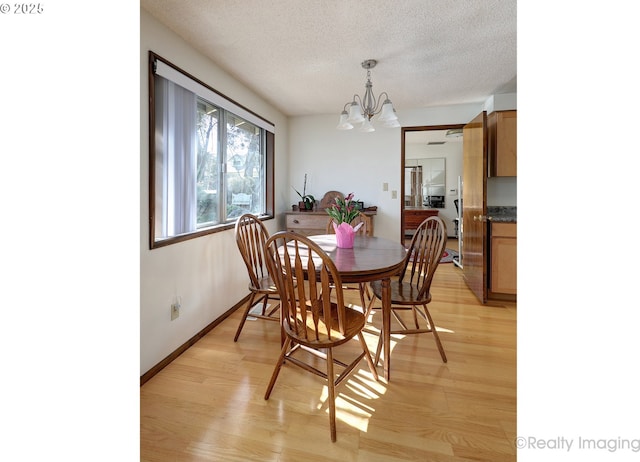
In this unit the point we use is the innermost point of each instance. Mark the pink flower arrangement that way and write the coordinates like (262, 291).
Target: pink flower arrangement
(344, 210)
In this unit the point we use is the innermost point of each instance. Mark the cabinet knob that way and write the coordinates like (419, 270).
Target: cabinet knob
(296, 221)
(479, 218)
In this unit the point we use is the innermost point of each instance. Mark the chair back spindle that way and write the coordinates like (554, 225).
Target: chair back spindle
(424, 255)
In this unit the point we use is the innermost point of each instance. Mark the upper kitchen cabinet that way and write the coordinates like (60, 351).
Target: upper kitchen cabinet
(502, 128)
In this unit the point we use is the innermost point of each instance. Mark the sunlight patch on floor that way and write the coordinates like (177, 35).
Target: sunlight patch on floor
(257, 309)
(355, 398)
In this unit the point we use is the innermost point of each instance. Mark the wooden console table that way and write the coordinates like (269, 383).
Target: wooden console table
(315, 222)
(413, 216)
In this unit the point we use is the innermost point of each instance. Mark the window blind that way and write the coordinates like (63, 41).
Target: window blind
(164, 70)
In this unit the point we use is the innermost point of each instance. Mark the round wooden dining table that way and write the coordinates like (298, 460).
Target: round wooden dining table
(370, 259)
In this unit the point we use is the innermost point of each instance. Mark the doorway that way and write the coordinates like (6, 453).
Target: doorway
(431, 172)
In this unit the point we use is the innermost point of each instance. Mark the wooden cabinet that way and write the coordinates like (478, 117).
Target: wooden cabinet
(413, 216)
(503, 251)
(310, 223)
(502, 129)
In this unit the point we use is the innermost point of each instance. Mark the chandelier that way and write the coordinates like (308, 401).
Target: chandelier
(361, 110)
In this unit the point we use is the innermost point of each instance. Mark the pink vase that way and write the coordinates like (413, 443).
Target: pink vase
(345, 234)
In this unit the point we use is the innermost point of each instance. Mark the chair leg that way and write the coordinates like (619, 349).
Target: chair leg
(361, 289)
(372, 300)
(264, 305)
(435, 334)
(364, 295)
(367, 356)
(379, 348)
(244, 316)
(276, 371)
(415, 317)
(331, 383)
(276, 306)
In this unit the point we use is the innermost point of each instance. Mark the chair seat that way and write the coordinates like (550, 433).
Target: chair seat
(402, 293)
(265, 286)
(354, 321)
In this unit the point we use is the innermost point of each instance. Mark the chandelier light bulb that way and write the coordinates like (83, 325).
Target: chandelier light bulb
(367, 127)
(344, 124)
(355, 113)
(387, 113)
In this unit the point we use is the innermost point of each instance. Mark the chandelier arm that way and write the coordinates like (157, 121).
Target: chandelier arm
(357, 99)
(376, 110)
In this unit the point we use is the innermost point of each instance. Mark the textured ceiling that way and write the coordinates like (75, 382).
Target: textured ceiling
(304, 56)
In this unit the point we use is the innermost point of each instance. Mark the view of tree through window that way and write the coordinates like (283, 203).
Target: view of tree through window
(209, 165)
(207, 162)
(243, 186)
(244, 167)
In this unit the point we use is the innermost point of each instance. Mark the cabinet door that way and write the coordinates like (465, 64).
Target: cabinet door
(504, 259)
(503, 143)
(474, 211)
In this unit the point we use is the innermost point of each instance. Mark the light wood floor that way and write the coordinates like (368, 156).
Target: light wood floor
(208, 404)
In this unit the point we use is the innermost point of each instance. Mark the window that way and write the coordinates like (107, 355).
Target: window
(211, 160)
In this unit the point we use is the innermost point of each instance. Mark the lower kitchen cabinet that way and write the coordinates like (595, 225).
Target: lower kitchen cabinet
(504, 259)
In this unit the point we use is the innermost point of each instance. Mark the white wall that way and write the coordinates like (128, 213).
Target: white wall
(347, 161)
(502, 191)
(206, 272)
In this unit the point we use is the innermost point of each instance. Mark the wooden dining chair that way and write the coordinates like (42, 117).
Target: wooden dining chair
(365, 230)
(315, 318)
(411, 291)
(251, 235)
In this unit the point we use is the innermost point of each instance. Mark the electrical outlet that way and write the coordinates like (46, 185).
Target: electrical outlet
(175, 310)
(394, 194)
(385, 186)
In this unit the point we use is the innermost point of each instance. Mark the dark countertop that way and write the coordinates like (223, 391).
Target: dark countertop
(502, 214)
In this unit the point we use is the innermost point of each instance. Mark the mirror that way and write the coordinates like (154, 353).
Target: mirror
(425, 182)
